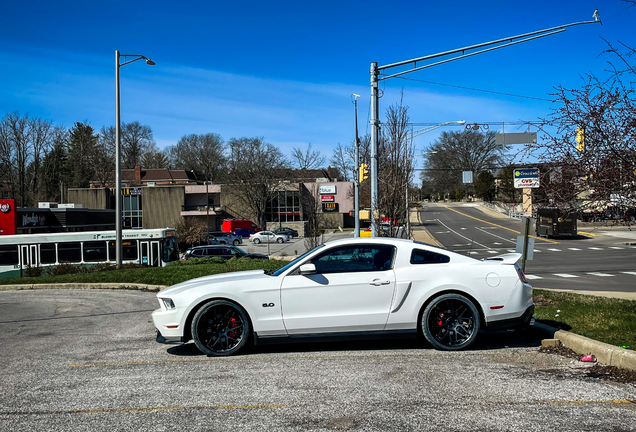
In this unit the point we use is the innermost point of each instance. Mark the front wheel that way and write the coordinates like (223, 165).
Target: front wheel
(236, 242)
(220, 328)
(279, 240)
(450, 322)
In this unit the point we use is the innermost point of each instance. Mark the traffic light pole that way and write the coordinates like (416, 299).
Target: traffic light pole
(375, 79)
(356, 173)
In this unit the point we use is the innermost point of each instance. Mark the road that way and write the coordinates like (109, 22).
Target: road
(605, 262)
(86, 360)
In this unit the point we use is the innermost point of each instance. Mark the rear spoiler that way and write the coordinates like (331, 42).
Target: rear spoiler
(509, 258)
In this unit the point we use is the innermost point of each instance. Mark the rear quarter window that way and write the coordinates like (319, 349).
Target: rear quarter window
(419, 256)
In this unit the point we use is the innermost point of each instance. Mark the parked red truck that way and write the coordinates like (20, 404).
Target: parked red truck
(230, 225)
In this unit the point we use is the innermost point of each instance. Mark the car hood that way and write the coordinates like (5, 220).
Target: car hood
(250, 275)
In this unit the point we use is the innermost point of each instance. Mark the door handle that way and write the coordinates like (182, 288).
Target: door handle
(378, 282)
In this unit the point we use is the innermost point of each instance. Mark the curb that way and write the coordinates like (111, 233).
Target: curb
(607, 354)
(126, 286)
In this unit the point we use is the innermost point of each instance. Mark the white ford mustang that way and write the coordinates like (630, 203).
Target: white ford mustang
(346, 289)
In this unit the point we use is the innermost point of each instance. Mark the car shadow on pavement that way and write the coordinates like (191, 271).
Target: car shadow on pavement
(485, 341)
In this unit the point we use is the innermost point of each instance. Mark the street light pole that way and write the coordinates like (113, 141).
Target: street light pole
(375, 78)
(118, 230)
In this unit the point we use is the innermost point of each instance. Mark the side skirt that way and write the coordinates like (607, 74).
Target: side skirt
(335, 337)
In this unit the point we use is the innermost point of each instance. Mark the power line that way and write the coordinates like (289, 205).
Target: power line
(474, 89)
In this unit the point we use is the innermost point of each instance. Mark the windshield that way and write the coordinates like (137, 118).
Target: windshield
(294, 262)
(240, 251)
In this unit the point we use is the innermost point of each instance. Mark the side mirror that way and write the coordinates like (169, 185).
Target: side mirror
(307, 269)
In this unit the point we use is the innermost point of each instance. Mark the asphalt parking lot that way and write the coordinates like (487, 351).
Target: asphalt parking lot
(87, 360)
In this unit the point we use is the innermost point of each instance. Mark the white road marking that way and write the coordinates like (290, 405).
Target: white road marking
(565, 275)
(492, 251)
(512, 250)
(496, 243)
(599, 274)
(555, 250)
(442, 232)
(495, 235)
(470, 240)
(594, 248)
(537, 250)
(473, 253)
(629, 273)
(616, 247)
(533, 277)
(574, 249)
(463, 228)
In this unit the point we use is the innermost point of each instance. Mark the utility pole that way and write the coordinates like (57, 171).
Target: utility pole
(462, 53)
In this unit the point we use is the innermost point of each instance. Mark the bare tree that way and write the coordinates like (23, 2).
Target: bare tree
(341, 160)
(205, 154)
(191, 232)
(395, 165)
(454, 152)
(136, 139)
(311, 212)
(154, 158)
(308, 159)
(256, 169)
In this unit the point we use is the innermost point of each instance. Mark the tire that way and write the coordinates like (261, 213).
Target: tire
(236, 242)
(450, 322)
(220, 328)
(279, 240)
(257, 241)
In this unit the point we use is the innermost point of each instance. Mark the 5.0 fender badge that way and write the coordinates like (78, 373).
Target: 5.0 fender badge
(268, 305)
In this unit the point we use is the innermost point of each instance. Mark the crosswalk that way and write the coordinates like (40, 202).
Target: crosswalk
(568, 276)
(500, 251)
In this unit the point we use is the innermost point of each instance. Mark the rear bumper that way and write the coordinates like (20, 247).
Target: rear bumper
(511, 323)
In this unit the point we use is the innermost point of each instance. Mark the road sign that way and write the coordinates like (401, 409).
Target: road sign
(526, 178)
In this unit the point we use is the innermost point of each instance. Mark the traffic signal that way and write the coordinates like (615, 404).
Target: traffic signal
(580, 138)
(363, 172)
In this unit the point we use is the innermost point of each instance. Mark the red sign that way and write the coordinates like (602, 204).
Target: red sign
(327, 198)
(7, 217)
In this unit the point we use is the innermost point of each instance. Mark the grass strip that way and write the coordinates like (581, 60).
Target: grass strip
(608, 320)
(172, 274)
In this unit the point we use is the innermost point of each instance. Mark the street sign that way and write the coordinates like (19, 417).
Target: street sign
(526, 178)
(516, 138)
(467, 177)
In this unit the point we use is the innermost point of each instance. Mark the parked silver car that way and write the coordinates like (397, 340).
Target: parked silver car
(268, 237)
(226, 238)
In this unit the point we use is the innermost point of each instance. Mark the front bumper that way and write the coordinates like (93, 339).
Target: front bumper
(168, 325)
(163, 340)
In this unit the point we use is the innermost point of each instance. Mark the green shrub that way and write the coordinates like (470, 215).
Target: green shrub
(66, 268)
(33, 271)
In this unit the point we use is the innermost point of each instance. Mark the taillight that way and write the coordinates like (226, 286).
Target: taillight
(521, 275)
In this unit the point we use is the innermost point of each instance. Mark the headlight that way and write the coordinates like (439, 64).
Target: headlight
(167, 303)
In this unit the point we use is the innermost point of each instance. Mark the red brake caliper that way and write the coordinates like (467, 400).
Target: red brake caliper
(439, 322)
(233, 324)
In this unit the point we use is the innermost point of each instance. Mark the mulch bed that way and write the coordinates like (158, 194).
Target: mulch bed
(610, 373)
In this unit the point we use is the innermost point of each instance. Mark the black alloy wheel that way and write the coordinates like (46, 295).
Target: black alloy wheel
(450, 322)
(220, 328)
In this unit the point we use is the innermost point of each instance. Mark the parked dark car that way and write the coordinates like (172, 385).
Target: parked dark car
(290, 232)
(244, 232)
(220, 251)
(226, 238)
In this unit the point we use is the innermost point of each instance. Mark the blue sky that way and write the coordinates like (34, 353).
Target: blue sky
(286, 70)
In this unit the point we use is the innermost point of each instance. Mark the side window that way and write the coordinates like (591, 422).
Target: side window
(95, 251)
(9, 254)
(198, 253)
(225, 252)
(69, 252)
(419, 256)
(355, 259)
(47, 253)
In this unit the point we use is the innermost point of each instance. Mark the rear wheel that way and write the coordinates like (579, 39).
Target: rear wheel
(220, 328)
(257, 241)
(279, 240)
(450, 322)
(236, 242)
